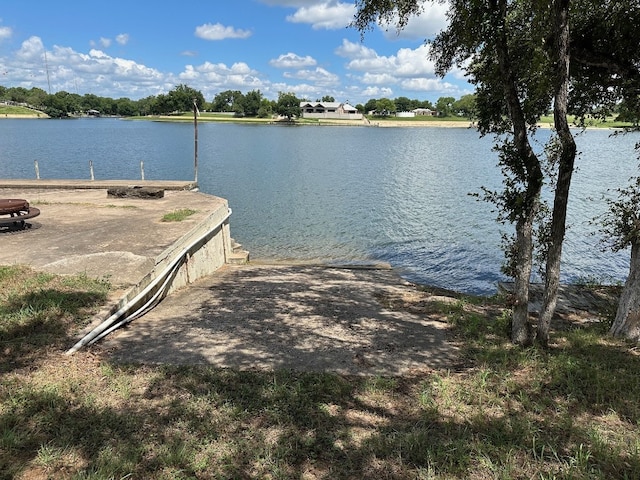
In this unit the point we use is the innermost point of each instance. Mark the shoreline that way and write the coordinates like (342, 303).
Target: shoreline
(320, 123)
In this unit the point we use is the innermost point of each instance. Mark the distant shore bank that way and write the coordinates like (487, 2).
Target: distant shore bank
(381, 123)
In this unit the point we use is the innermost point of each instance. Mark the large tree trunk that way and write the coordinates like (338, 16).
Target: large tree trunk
(627, 322)
(565, 170)
(532, 178)
(521, 330)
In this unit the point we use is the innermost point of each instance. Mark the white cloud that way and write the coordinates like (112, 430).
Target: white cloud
(328, 15)
(211, 78)
(218, 31)
(95, 72)
(378, 79)
(5, 33)
(409, 70)
(291, 60)
(319, 76)
(427, 85)
(30, 50)
(105, 42)
(354, 50)
(377, 92)
(406, 63)
(122, 39)
(432, 20)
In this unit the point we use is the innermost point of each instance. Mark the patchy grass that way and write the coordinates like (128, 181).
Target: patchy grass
(178, 215)
(569, 412)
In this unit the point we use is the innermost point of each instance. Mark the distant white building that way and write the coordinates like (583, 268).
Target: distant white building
(425, 111)
(332, 110)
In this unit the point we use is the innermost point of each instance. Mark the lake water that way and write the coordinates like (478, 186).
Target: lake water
(338, 194)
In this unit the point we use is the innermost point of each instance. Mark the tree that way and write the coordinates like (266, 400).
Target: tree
(501, 43)
(465, 106)
(523, 57)
(125, 107)
(444, 106)
(600, 58)
(62, 104)
(328, 98)
(370, 106)
(251, 103)
(181, 98)
(425, 104)
(403, 104)
(605, 56)
(226, 101)
(385, 107)
(18, 94)
(36, 97)
(288, 105)
(621, 227)
(266, 109)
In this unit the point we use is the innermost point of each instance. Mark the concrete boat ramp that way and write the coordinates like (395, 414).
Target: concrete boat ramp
(185, 294)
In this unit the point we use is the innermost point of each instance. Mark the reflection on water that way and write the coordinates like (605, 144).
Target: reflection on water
(337, 194)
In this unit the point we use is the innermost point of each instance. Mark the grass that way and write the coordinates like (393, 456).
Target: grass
(17, 110)
(569, 412)
(178, 215)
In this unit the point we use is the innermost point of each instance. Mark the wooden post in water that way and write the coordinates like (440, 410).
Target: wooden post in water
(195, 141)
(35, 164)
(91, 169)
(142, 169)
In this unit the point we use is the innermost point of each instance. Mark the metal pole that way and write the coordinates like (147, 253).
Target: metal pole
(195, 141)
(35, 163)
(91, 169)
(142, 169)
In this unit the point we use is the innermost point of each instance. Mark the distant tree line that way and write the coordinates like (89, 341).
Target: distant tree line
(182, 97)
(251, 104)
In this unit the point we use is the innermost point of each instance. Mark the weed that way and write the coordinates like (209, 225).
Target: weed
(178, 215)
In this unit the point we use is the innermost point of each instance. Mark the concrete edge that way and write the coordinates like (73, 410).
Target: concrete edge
(201, 251)
(95, 184)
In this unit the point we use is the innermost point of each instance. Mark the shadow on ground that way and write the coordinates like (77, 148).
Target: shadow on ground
(308, 318)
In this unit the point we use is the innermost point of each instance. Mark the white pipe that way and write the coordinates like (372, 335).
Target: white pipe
(112, 323)
(153, 301)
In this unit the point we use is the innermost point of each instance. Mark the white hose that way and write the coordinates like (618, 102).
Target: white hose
(112, 323)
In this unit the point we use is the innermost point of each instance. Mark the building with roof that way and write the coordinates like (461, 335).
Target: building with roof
(332, 110)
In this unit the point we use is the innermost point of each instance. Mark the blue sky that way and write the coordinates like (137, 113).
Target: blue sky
(135, 49)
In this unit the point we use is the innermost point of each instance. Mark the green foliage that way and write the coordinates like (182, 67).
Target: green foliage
(465, 106)
(385, 107)
(252, 103)
(227, 101)
(288, 105)
(620, 224)
(605, 58)
(444, 106)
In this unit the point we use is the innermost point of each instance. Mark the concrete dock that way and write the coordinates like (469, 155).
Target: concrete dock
(81, 230)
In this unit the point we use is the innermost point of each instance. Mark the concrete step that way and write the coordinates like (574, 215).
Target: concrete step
(238, 258)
